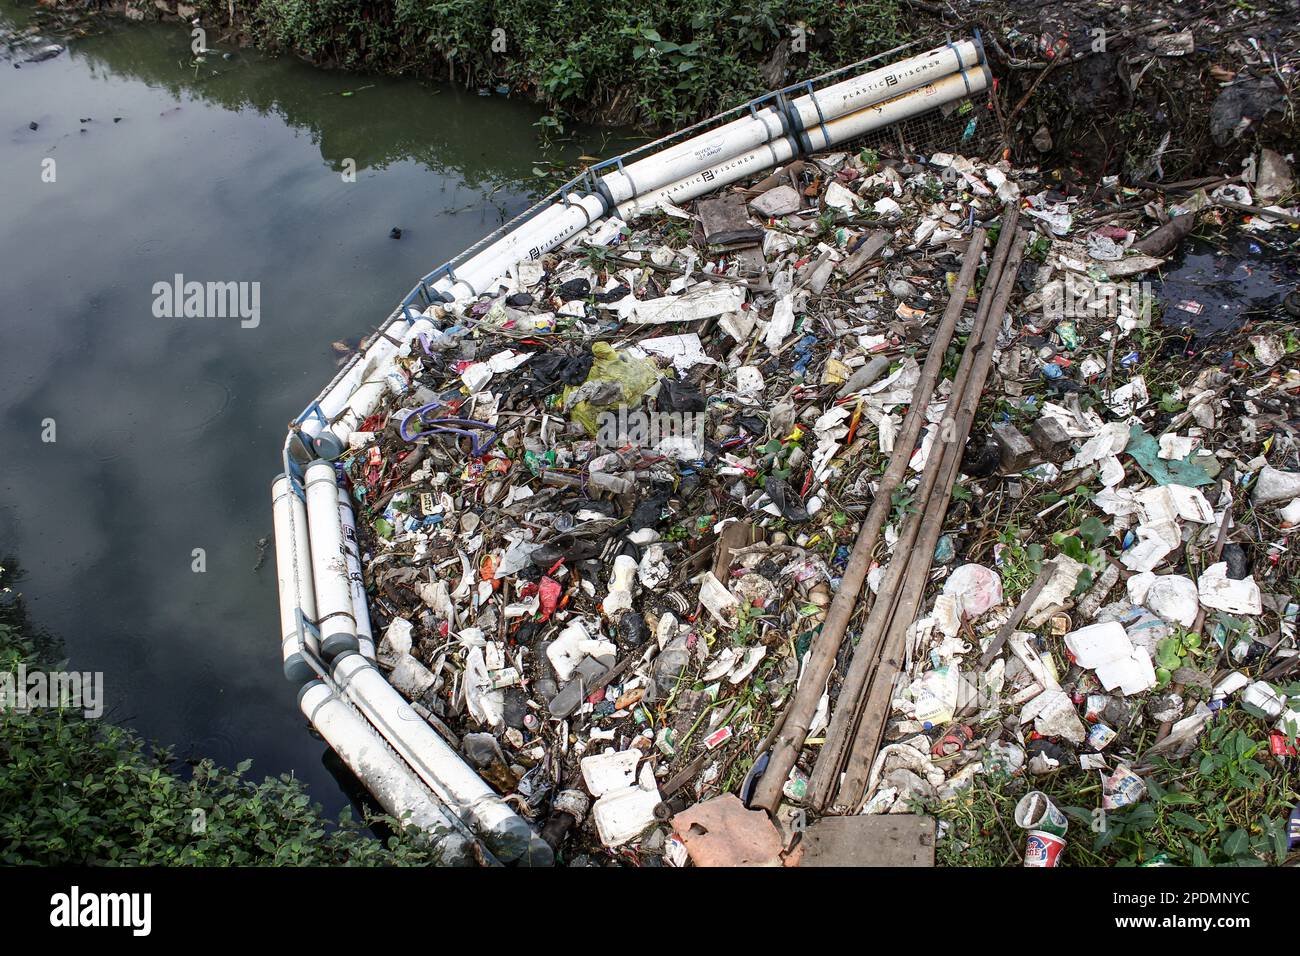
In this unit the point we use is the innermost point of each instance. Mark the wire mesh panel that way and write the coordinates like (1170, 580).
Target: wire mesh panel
(965, 127)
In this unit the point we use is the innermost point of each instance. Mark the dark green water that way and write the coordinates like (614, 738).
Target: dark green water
(168, 431)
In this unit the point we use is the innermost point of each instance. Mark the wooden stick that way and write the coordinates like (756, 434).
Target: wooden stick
(826, 645)
(825, 775)
(875, 709)
(838, 735)
(1018, 614)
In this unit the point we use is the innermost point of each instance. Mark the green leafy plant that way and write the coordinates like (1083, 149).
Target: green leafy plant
(1175, 651)
(1018, 563)
(902, 504)
(1084, 547)
(620, 61)
(1225, 805)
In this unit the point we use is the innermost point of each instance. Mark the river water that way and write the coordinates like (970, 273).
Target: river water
(167, 431)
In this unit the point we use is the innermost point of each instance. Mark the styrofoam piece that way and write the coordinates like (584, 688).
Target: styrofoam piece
(1174, 598)
(1275, 485)
(1098, 643)
(611, 770)
(622, 815)
(1222, 593)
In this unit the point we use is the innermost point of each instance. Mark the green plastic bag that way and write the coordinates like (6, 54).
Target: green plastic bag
(1180, 471)
(636, 376)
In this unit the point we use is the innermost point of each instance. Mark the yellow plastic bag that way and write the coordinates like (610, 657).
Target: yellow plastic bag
(635, 376)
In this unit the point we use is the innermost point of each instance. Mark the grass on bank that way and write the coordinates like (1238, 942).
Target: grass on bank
(1226, 804)
(619, 61)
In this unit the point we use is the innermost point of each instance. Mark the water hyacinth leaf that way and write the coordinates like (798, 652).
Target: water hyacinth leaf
(1084, 582)
(1236, 843)
(1167, 653)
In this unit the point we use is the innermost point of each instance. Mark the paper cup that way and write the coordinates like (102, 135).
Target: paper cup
(1043, 849)
(1036, 811)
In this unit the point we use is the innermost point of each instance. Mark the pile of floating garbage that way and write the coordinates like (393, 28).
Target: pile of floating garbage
(614, 518)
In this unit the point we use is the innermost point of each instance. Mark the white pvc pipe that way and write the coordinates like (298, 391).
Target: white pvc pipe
(842, 129)
(689, 156)
(707, 180)
(385, 776)
(851, 95)
(354, 397)
(352, 548)
(545, 231)
(329, 567)
(458, 787)
(751, 132)
(293, 578)
(371, 366)
(949, 89)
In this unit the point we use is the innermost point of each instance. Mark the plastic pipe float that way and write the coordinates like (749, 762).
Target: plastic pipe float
(329, 567)
(771, 123)
(506, 833)
(889, 82)
(351, 399)
(293, 577)
(937, 77)
(839, 130)
(539, 235)
(352, 553)
(385, 776)
(339, 396)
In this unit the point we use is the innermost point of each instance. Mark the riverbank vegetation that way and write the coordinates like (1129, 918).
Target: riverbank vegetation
(1212, 81)
(76, 791)
(619, 62)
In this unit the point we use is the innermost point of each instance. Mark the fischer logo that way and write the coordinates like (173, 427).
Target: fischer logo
(76, 909)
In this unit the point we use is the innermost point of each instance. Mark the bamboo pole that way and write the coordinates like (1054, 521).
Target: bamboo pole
(875, 709)
(821, 657)
(843, 721)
